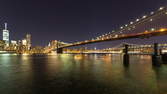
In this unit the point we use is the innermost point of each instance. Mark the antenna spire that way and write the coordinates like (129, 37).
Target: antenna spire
(6, 26)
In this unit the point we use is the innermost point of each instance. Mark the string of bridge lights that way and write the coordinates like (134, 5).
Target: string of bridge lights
(134, 22)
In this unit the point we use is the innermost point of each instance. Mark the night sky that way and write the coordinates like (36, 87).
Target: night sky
(70, 20)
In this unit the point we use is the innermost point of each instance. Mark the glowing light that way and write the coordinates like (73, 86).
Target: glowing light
(25, 54)
(137, 20)
(161, 8)
(131, 22)
(152, 13)
(151, 20)
(163, 29)
(146, 31)
(144, 16)
(78, 57)
(152, 29)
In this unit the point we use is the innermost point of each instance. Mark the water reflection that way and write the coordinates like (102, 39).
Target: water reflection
(80, 74)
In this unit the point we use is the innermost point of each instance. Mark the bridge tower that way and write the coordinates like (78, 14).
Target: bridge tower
(59, 50)
(156, 57)
(126, 55)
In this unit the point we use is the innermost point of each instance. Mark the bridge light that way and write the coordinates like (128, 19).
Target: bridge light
(166, 13)
(131, 22)
(152, 29)
(151, 20)
(145, 31)
(126, 25)
(144, 16)
(161, 8)
(137, 20)
(162, 29)
(121, 27)
(152, 13)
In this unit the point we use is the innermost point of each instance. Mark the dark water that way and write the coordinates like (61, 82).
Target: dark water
(80, 74)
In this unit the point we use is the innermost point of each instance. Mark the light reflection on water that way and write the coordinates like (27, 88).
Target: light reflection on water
(80, 74)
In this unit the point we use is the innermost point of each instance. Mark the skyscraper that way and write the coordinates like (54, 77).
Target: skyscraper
(6, 35)
(28, 39)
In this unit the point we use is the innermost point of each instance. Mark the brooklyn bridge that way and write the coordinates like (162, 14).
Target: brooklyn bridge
(150, 25)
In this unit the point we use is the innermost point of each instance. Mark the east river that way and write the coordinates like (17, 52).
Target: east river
(80, 74)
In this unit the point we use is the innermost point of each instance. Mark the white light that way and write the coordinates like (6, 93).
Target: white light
(131, 22)
(152, 13)
(151, 20)
(144, 16)
(165, 12)
(121, 27)
(161, 8)
(152, 29)
(126, 25)
(137, 20)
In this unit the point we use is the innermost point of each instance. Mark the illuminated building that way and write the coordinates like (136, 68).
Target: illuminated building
(28, 40)
(13, 45)
(6, 35)
(2, 45)
(13, 42)
(24, 42)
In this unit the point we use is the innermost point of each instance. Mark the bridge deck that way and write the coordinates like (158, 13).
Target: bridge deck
(120, 37)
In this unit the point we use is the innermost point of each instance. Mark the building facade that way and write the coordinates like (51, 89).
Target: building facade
(6, 35)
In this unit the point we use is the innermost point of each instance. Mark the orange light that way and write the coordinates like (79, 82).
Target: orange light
(163, 29)
(146, 31)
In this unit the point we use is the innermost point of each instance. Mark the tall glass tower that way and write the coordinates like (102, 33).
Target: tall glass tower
(6, 35)
(28, 39)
